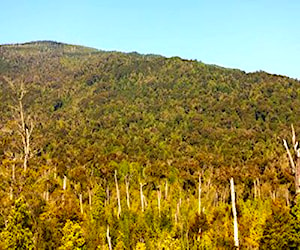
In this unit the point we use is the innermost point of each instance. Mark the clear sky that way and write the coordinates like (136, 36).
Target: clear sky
(247, 34)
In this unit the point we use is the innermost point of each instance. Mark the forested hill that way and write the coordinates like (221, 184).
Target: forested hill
(159, 122)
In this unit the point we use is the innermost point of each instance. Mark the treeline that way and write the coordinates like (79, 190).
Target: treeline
(130, 211)
(135, 152)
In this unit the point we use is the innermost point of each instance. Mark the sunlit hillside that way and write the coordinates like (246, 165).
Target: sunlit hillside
(129, 151)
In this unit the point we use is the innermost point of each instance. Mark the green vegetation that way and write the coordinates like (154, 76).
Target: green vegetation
(158, 123)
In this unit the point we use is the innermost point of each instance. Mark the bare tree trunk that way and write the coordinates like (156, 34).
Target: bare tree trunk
(258, 187)
(64, 188)
(177, 211)
(65, 183)
(47, 193)
(142, 196)
(294, 161)
(158, 200)
(166, 190)
(13, 172)
(108, 238)
(107, 196)
(287, 197)
(199, 195)
(127, 192)
(187, 239)
(118, 194)
(216, 199)
(25, 129)
(90, 199)
(235, 223)
(11, 193)
(180, 198)
(255, 189)
(145, 201)
(297, 174)
(273, 195)
(80, 202)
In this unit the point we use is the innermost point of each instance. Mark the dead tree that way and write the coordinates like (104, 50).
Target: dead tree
(235, 223)
(90, 198)
(118, 194)
(199, 194)
(64, 189)
(294, 158)
(80, 203)
(166, 190)
(108, 238)
(143, 200)
(25, 125)
(158, 200)
(127, 191)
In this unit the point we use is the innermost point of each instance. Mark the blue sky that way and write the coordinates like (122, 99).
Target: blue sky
(247, 34)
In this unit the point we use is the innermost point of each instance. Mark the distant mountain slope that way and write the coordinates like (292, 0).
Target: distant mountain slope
(151, 108)
(169, 133)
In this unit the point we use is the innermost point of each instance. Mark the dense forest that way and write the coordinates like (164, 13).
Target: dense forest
(110, 150)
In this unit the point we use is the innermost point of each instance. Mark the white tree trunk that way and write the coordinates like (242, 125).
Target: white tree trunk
(11, 193)
(26, 131)
(107, 200)
(13, 172)
(64, 188)
(90, 199)
(255, 189)
(199, 195)
(258, 187)
(127, 192)
(177, 212)
(80, 202)
(142, 196)
(118, 195)
(65, 183)
(158, 200)
(166, 190)
(295, 161)
(108, 238)
(235, 222)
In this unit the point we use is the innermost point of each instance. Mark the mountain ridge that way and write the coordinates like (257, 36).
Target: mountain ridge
(55, 44)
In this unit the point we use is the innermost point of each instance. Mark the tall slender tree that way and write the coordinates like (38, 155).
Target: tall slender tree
(25, 123)
(294, 158)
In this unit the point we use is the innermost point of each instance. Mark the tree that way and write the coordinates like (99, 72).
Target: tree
(72, 237)
(294, 160)
(278, 231)
(17, 234)
(25, 125)
(295, 222)
(235, 223)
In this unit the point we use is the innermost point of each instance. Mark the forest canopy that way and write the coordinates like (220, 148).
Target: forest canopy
(117, 144)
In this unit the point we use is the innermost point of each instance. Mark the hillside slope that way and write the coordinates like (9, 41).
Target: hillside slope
(158, 120)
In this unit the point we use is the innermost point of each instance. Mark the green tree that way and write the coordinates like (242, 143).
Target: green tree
(72, 237)
(17, 234)
(278, 230)
(295, 235)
